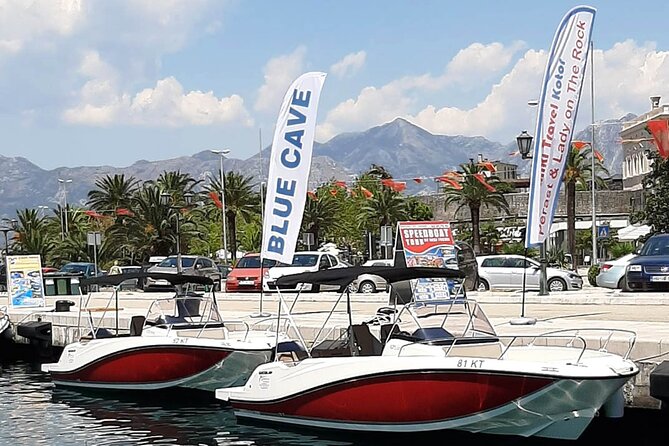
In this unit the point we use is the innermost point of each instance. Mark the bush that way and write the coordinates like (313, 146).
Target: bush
(592, 274)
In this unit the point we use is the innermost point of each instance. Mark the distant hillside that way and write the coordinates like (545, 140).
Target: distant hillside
(404, 149)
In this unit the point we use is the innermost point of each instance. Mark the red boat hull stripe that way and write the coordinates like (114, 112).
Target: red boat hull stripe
(404, 398)
(147, 365)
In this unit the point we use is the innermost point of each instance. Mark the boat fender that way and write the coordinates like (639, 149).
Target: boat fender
(35, 330)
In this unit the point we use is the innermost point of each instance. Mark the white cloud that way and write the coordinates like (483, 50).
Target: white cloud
(349, 65)
(280, 72)
(479, 60)
(371, 107)
(167, 104)
(625, 76)
(23, 22)
(397, 98)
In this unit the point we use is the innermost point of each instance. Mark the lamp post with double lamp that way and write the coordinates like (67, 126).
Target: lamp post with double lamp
(524, 141)
(224, 241)
(64, 228)
(166, 200)
(41, 210)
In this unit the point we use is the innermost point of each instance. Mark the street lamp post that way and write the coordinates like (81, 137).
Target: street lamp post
(224, 241)
(166, 199)
(42, 210)
(14, 225)
(524, 141)
(64, 228)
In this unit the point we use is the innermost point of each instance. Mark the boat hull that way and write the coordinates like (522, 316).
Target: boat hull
(154, 363)
(419, 399)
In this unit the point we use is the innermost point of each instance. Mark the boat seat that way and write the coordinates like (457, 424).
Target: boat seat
(365, 344)
(432, 333)
(331, 347)
(137, 325)
(188, 307)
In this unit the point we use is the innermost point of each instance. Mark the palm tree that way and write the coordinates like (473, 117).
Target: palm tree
(149, 231)
(578, 174)
(31, 236)
(473, 194)
(240, 201)
(177, 184)
(321, 213)
(385, 208)
(112, 192)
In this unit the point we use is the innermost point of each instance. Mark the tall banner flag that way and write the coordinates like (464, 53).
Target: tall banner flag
(558, 104)
(289, 166)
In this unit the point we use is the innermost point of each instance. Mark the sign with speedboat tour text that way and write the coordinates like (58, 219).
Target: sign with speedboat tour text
(430, 244)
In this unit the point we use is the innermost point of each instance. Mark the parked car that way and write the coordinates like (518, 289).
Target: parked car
(246, 274)
(612, 272)
(128, 284)
(81, 268)
(370, 283)
(224, 270)
(153, 261)
(304, 261)
(190, 265)
(506, 272)
(650, 269)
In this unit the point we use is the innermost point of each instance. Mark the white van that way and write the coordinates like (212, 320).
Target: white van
(303, 262)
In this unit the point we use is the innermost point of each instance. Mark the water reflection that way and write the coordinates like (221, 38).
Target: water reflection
(34, 412)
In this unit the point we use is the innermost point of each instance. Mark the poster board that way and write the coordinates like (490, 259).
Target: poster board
(25, 286)
(430, 244)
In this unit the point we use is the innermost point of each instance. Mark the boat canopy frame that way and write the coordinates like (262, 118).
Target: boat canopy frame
(343, 277)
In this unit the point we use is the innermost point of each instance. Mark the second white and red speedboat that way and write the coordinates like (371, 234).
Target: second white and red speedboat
(439, 364)
(182, 341)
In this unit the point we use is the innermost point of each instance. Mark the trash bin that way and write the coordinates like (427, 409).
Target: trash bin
(59, 284)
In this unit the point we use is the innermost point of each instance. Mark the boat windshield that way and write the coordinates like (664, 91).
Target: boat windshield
(194, 308)
(454, 318)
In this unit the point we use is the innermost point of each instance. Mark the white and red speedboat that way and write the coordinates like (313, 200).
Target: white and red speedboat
(439, 364)
(182, 341)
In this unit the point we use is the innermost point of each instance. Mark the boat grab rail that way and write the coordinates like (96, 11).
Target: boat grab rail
(450, 341)
(455, 341)
(247, 327)
(603, 342)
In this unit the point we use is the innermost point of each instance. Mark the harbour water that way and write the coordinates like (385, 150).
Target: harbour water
(34, 412)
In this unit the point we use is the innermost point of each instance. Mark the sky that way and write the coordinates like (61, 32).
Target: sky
(112, 82)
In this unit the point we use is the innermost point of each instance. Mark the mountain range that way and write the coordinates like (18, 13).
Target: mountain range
(402, 148)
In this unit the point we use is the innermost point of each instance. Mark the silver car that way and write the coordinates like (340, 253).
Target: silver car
(612, 272)
(507, 272)
(370, 283)
(190, 265)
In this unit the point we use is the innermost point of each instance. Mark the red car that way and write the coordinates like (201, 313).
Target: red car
(246, 275)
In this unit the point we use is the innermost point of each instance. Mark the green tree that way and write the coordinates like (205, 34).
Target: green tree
(490, 235)
(656, 196)
(578, 174)
(241, 201)
(32, 236)
(322, 211)
(385, 208)
(112, 192)
(473, 194)
(416, 210)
